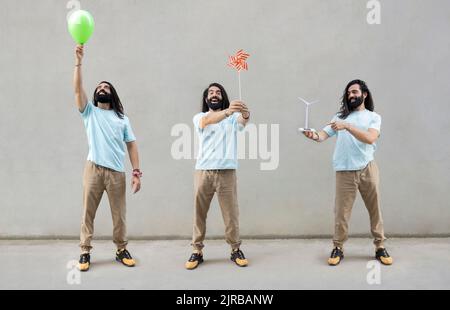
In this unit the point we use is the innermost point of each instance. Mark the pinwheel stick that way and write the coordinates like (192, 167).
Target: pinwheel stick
(307, 117)
(240, 92)
(238, 62)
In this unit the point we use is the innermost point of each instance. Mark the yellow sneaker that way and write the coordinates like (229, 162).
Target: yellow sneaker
(337, 255)
(383, 256)
(124, 257)
(238, 257)
(195, 260)
(84, 262)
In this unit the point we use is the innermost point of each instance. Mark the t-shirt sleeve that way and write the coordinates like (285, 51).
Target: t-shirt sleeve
(330, 132)
(87, 110)
(128, 135)
(196, 121)
(375, 123)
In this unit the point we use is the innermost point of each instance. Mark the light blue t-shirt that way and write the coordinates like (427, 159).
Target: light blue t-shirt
(217, 143)
(106, 134)
(350, 154)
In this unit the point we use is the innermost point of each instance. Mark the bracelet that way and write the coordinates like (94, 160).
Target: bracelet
(246, 117)
(137, 173)
(226, 114)
(79, 65)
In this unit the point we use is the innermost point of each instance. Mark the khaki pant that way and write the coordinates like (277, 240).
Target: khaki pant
(96, 180)
(223, 182)
(347, 185)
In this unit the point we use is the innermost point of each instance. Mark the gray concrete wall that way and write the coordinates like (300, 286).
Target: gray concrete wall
(161, 54)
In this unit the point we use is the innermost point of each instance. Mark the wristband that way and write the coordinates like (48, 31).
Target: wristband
(137, 173)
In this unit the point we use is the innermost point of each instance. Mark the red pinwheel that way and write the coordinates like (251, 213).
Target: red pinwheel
(238, 62)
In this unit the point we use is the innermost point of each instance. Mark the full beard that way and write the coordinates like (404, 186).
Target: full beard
(353, 105)
(103, 97)
(214, 105)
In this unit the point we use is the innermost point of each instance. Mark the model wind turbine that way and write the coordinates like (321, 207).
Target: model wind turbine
(307, 104)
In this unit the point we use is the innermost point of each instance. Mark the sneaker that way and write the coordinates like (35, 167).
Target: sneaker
(238, 257)
(124, 257)
(84, 262)
(336, 256)
(195, 260)
(383, 256)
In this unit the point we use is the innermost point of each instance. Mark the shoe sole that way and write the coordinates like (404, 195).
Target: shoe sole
(238, 264)
(242, 266)
(379, 259)
(118, 260)
(199, 262)
(342, 258)
(84, 270)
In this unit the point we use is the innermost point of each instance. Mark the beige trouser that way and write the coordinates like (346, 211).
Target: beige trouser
(347, 185)
(207, 182)
(96, 180)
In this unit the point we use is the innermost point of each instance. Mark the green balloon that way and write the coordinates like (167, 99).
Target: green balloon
(81, 26)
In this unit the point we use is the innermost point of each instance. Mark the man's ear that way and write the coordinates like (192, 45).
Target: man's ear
(364, 95)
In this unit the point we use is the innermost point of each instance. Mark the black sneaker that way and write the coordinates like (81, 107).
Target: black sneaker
(383, 256)
(238, 257)
(84, 262)
(195, 260)
(336, 256)
(124, 257)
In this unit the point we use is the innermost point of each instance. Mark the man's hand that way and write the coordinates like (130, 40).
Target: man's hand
(235, 106)
(338, 126)
(79, 53)
(311, 135)
(135, 184)
(245, 111)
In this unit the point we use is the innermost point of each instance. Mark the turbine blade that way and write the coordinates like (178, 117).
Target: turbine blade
(306, 102)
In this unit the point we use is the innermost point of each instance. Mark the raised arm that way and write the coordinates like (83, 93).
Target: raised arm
(80, 94)
(216, 117)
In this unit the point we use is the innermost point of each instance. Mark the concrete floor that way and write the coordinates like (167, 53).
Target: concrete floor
(274, 264)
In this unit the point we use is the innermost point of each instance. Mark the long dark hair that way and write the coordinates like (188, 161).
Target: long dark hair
(116, 105)
(368, 102)
(225, 101)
